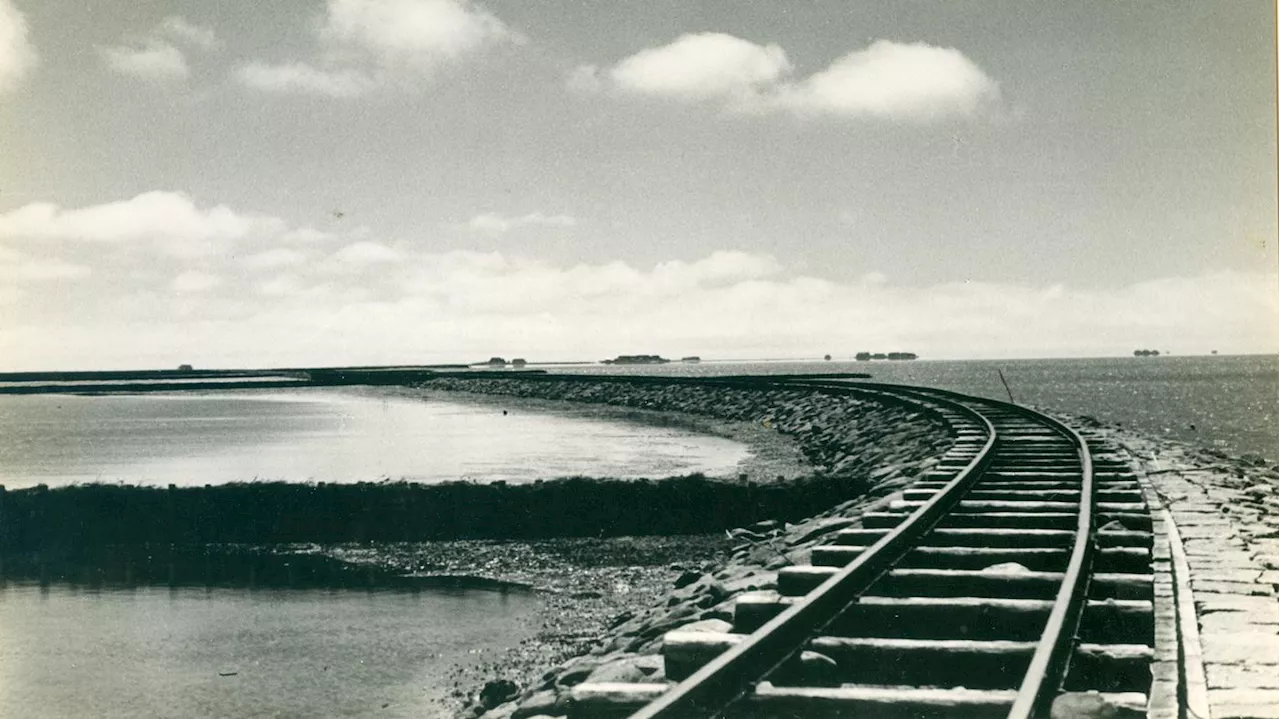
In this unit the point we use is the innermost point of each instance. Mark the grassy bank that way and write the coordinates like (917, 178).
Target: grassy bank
(72, 519)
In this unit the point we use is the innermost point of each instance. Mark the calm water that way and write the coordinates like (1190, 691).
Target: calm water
(329, 436)
(1224, 402)
(157, 652)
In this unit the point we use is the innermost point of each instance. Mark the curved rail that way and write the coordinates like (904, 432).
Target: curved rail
(1053, 652)
(727, 678)
(724, 679)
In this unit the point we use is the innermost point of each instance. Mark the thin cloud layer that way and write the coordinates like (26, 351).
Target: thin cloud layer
(156, 60)
(19, 267)
(182, 30)
(887, 80)
(264, 299)
(157, 57)
(194, 282)
(496, 224)
(362, 254)
(18, 56)
(299, 77)
(366, 44)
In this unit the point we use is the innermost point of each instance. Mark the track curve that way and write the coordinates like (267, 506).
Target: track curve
(1012, 574)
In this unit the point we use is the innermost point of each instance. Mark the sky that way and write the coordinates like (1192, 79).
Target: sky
(336, 182)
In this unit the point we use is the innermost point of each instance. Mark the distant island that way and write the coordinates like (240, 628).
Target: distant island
(868, 356)
(1146, 353)
(636, 359)
(691, 359)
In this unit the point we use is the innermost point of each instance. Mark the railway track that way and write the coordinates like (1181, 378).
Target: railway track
(1016, 573)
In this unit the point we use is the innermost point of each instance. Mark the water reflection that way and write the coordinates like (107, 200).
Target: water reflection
(71, 651)
(325, 435)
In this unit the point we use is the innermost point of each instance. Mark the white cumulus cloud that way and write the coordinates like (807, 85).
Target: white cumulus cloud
(170, 219)
(365, 44)
(895, 80)
(18, 56)
(889, 80)
(704, 65)
(414, 32)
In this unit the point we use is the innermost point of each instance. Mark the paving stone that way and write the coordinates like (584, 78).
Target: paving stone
(1237, 622)
(1239, 647)
(1206, 571)
(1208, 545)
(1222, 560)
(1265, 607)
(1207, 531)
(1238, 588)
(1198, 519)
(1244, 704)
(1242, 676)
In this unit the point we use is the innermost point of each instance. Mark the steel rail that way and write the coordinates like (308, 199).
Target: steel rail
(1052, 657)
(725, 679)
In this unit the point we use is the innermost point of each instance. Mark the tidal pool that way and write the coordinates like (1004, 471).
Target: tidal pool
(70, 652)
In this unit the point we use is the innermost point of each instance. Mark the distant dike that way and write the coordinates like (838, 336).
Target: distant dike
(850, 443)
(131, 381)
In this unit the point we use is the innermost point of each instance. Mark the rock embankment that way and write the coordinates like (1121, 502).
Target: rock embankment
(874, 448)
(700, 597)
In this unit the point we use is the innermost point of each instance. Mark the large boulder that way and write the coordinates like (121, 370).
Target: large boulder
(633, 669)
(498, 691)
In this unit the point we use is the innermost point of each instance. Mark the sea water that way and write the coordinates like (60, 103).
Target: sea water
(322, 435)
(68, 652)
(1223, 402)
